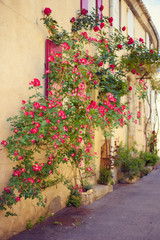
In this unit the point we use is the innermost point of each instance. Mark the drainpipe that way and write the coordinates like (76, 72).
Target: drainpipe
(111, 6)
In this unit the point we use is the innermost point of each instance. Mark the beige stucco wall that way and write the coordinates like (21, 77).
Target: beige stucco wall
(22, 42)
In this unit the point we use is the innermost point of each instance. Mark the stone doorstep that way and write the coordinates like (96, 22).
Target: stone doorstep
(96, 193)
(102, 190)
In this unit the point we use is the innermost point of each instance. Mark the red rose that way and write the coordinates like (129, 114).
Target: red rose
(47, 11)
(100, 64)
(84, 11)
(102, 25)
(123, 28)
(96, 28)
(72, 20)
(130, 88)
(131, 41)
(112, 66)
(134, 71)
(151, 51)
(119, 46)
(110, 19)
(101, 8)
(141, 40)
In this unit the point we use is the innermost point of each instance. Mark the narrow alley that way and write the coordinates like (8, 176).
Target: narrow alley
(130, 212)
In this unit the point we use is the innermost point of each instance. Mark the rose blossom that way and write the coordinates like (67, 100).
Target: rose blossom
(65, 45)
(96, 28)
(110, 19)
(18, 199)
(47, 11)
(102, 25)
(119, 46)
(72, 20)
(100, 64)
(131, 41)
(89, 169)
(101, 8)
(84, 11)
(35, 82)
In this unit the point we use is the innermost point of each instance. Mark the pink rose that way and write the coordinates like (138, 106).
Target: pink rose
(65, 46)
(35, 82)
(89, 169)
(18, 199)
(47, 121)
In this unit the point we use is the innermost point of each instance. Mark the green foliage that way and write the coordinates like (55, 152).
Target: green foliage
(29, 225)
(149, 158)
(41, 219)
(152, 143)
(87, 186)
(75, 198)
(57, 223)
(129, 162)
(144, 171)
(105, 176)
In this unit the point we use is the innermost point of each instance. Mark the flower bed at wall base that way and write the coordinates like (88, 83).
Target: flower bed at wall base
(63, 123)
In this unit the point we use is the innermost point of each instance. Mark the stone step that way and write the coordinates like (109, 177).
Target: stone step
(101, 190)
(96, 193)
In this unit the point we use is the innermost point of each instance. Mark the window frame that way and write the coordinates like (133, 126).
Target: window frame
(98, 3)
(50, 47)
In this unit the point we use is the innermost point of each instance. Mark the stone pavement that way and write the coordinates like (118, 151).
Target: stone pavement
(130, 212)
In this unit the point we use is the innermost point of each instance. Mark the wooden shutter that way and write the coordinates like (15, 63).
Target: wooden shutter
(84, 4)
(51, 47)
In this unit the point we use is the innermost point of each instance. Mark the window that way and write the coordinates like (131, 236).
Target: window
(90, 4)
(130, 23)
(51, 48)
(116, 13)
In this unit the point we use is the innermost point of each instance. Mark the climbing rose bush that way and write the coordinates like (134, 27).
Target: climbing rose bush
(62, 124)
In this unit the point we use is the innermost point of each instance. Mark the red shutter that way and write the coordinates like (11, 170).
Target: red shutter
(98, 4)
(50, 48)
(84, 4)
